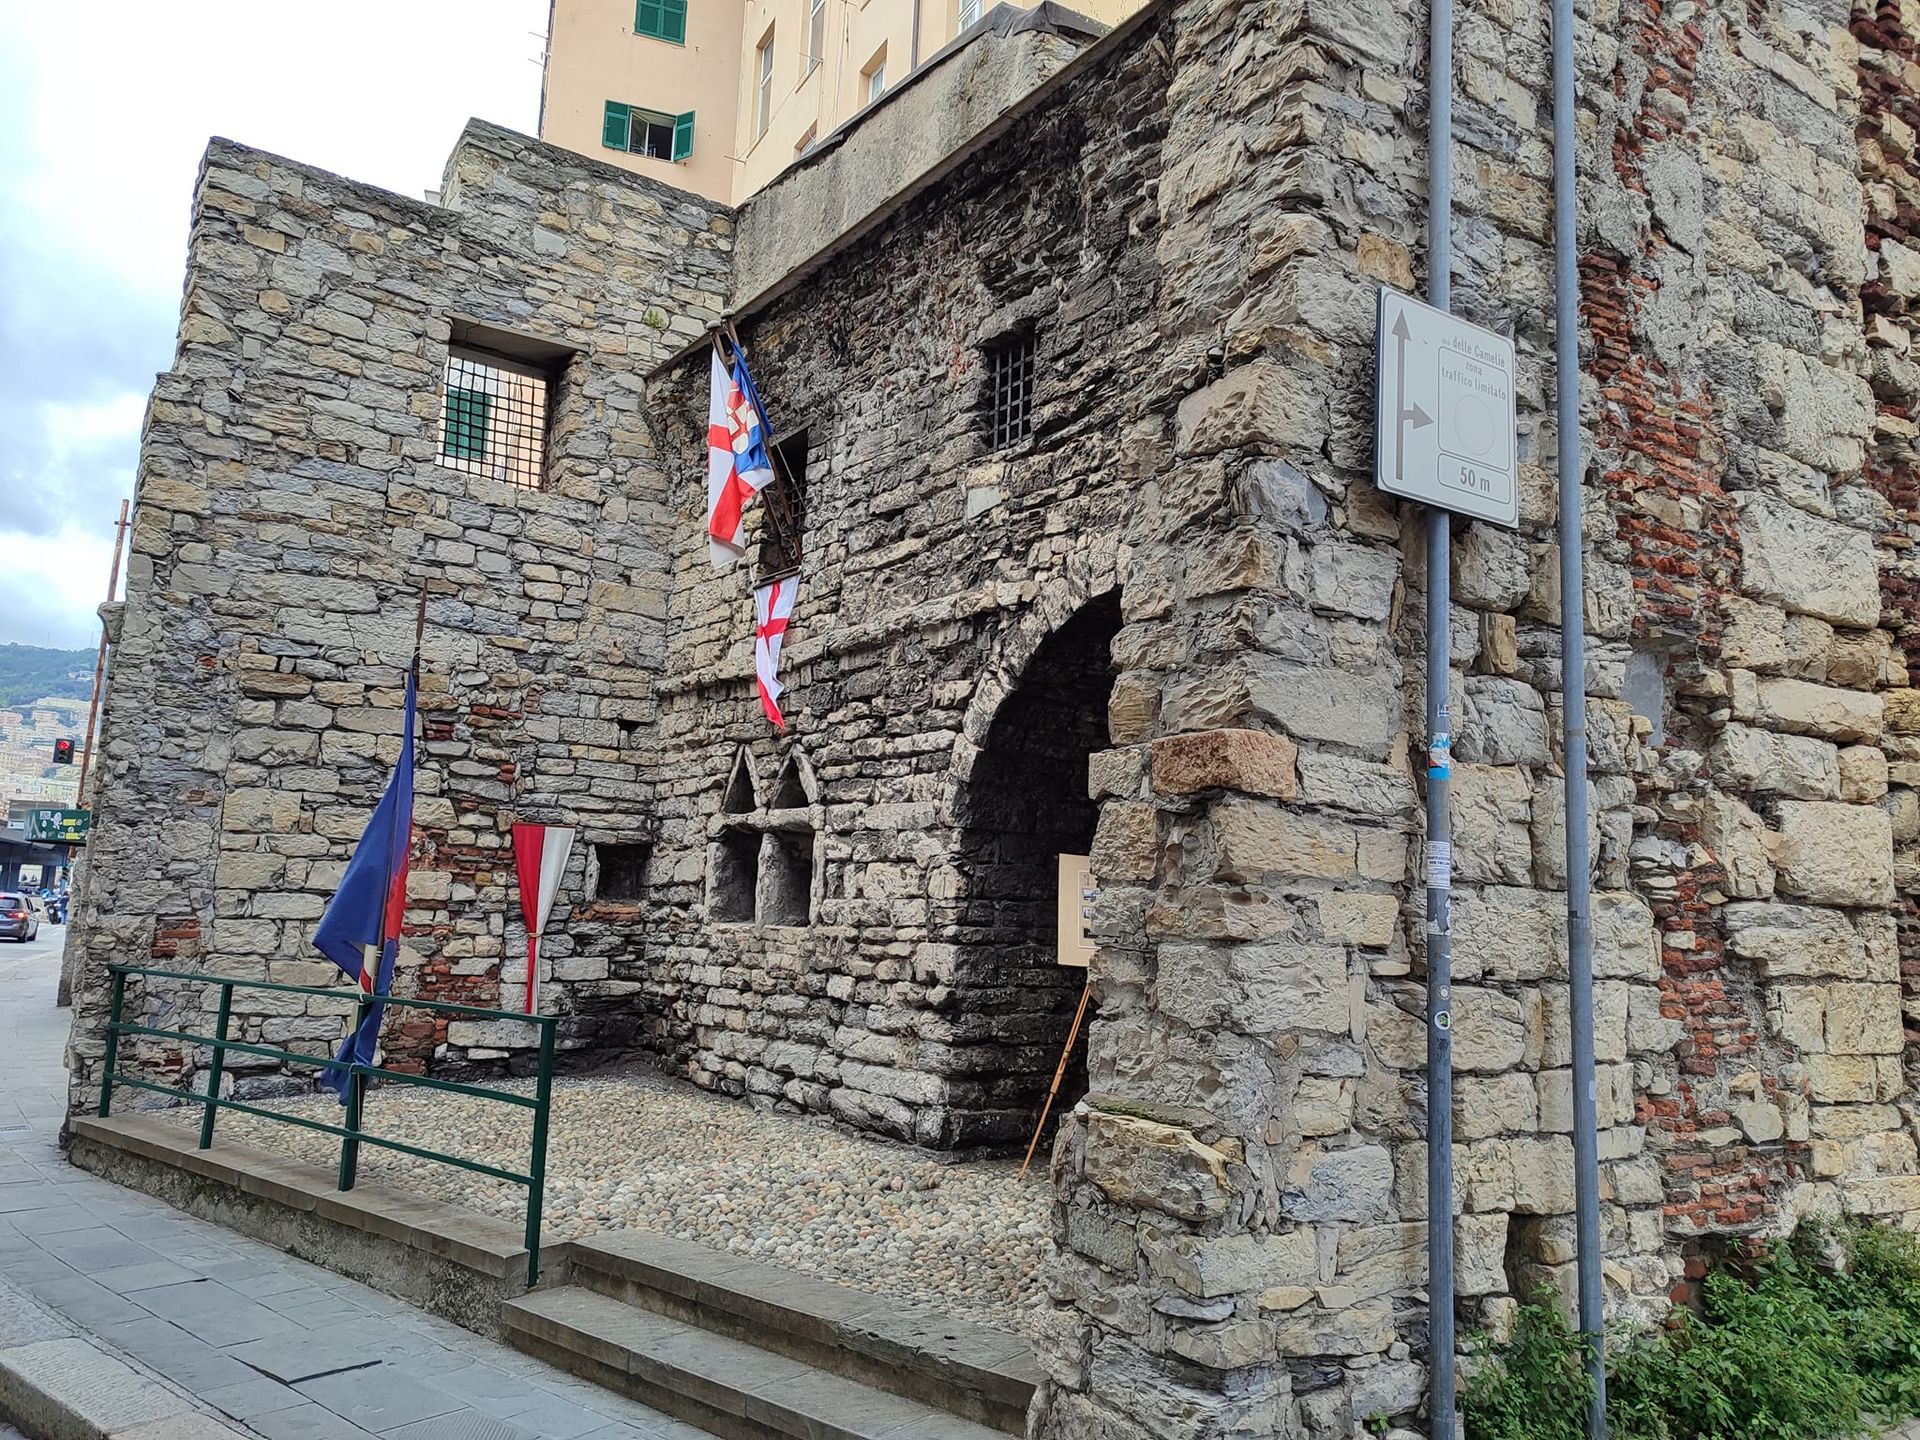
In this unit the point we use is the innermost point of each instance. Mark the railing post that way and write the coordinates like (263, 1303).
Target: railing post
(113, 1041)
(219, 1065)
(356, 1084)
(537, 1169)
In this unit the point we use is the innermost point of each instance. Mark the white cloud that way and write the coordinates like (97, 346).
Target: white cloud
(104, 114)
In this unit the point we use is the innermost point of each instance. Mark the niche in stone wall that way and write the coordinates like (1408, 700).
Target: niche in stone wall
(760, 864)
(733, 874)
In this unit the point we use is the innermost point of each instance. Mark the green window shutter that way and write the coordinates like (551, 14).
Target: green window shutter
(673, 17)
(683, 135)
(649, 18)
(467, 412)
(613, 129)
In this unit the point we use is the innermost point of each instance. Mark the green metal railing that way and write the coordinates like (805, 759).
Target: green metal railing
(351, 1135)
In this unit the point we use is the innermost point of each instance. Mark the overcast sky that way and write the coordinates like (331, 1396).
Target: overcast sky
(104, 111)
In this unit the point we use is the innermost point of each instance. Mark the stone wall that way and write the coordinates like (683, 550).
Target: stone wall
(938, 596)
(288, 511)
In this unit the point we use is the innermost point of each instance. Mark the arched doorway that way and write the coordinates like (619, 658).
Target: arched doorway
(1023, 807)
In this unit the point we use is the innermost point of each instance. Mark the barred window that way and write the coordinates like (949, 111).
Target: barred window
(494, 418)
(784, 519)
(1010, 366)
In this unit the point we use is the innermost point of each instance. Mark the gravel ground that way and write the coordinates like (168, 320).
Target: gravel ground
(636, 1149)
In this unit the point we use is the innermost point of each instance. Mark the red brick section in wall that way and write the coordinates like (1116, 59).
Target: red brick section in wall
(1661, 462)
(1889, 66)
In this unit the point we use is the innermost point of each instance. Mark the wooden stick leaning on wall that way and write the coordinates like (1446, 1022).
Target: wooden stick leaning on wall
(1059, 1073)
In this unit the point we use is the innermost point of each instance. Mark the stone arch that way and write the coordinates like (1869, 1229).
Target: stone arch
(1022, 804)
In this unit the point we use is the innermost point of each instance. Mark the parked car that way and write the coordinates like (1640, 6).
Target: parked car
(17, 918)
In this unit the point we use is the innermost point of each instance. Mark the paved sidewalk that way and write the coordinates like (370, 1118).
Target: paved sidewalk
(289, 1351)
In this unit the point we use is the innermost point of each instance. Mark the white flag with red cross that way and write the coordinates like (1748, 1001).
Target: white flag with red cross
(772, 610)
(539, 858)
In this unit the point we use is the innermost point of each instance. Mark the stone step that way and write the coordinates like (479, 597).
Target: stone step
(983, 1375)
(725, 1386)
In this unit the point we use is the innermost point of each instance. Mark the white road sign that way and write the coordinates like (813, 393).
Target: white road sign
(1443, 420)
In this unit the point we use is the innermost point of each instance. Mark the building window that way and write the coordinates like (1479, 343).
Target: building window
(493, 419)
(875, 74)
(807, 140)
(623, 872)
(1010, 390)
(785, 508)
(653, 133)
(816, 37)
(661, 19)
(763, 92)
(969, 13)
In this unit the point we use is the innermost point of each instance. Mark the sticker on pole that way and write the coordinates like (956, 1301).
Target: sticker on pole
(1443, 424)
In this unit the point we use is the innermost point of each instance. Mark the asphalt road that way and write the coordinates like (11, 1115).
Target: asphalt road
(36, 963)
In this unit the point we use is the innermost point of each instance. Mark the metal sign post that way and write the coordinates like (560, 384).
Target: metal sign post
(1444, 434)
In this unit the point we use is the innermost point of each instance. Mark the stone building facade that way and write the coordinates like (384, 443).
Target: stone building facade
(1180, 587)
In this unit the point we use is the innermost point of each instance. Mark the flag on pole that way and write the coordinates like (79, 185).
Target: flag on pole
(539, 857)
(738, 465)
(360, 930)
(772, 610)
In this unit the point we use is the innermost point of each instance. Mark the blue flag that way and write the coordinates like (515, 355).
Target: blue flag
(360, 931)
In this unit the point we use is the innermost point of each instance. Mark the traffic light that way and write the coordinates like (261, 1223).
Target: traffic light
(63, 752)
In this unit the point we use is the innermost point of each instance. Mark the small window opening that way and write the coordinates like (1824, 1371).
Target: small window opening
(763, 91)
(623, 872)
(788, 897)
(740, 797)
(1010, 369)
(875, 75)
(493, 420)
(733, 872)
(785, 502)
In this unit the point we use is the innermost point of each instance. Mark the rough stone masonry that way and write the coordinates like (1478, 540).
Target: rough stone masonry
(1172, 623)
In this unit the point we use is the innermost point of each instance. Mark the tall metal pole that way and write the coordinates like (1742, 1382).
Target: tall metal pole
(63, 990)
(1439, 768)
(1573, 700)
(100, 658)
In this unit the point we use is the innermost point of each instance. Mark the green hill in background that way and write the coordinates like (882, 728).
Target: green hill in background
(28, 673)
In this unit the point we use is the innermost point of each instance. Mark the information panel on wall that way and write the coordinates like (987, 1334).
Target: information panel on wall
(1076, 909)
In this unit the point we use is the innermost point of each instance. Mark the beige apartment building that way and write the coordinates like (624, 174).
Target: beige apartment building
(720, 96)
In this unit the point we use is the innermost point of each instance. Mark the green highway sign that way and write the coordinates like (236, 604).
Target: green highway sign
(58, 827)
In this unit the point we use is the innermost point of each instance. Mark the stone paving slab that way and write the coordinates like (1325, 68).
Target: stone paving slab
(219, 1322)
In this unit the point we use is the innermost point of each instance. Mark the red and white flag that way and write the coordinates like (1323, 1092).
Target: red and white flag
(738, 465)
(539, 857)
(772, 610)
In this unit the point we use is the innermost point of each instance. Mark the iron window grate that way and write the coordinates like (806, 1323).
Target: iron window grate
(1010, 407)
(494, 419)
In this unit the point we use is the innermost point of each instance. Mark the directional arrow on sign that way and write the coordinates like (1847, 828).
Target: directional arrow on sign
(1413, 413)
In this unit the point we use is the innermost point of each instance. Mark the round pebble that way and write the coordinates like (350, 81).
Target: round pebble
(635, 1149)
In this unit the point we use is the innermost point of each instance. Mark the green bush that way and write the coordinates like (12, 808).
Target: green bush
(1815, 1338)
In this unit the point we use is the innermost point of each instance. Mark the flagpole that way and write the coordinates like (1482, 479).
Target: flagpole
(774, 457)
(371, 992)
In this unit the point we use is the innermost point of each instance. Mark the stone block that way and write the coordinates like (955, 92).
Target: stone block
(1253, 762)
(1358, 712)
(1807, 563)
(1492, 815)
(1800, 707)
(1799, 941)
(1739, 840)
(1492, 568)
(1863, 1020)
(1352, 1184)
(1360, 919)
(1258, 838)
(1363, 1329)
(1209, 1266)
(1510, 933)
(260, 811)
(1835, 854)
(1265, 989)
(1261, 406)
(1502, 722)
(1126, 842)
(1863, 774)
(1145, 1165)
(1743, 759)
